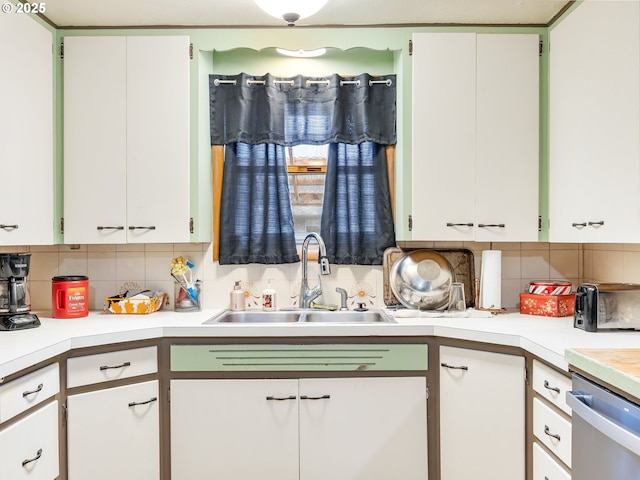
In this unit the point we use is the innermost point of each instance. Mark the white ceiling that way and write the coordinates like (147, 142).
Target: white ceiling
(239, 13)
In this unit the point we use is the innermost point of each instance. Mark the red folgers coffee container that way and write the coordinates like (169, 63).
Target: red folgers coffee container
(70, 296)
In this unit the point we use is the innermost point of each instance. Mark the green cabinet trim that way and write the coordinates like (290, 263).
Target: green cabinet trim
(271, 357)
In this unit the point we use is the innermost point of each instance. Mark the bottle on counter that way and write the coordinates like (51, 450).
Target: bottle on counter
(269, 297)
(237, 298)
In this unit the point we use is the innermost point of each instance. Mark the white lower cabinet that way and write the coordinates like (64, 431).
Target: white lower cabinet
(482, 415)
(114, 433)
(552, 430)
(308, 429)
(545, 467)
(29, 447)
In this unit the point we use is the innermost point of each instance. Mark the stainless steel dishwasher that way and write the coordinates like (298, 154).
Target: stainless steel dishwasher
(605, 433)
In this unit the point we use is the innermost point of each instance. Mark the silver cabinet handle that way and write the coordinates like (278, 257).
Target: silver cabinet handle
(454, 367)
(498, 225)
(552, 435)
(8, 227)
(152, 227)
(548, 387)
(596, 224)
(579, 225)
(449, 224)
(153, 399)
(31, 392)
(279, 399)
(29, 460)
(320, 397)
(110, 367)
(119, 227)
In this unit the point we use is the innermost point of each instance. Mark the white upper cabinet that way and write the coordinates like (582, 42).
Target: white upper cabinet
(126, 140)
(26, 131)
(594, 175)
(475, 137)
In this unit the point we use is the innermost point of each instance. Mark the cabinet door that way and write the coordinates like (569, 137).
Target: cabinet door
(373, 428)
(29, 447)
(444, 130)
(95, 134)
(234, 429)
(594, 136)
(114, 433)
(157, 120)
(126, 156)
(507, 138)
(475, 137)
(26, 131)
(482, 415)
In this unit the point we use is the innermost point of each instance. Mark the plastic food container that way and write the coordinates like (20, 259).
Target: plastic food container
(70, 296)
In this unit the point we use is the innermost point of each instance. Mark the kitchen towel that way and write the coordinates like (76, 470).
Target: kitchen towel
(491, 280)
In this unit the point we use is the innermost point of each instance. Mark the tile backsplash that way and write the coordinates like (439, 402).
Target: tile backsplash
(113, 268)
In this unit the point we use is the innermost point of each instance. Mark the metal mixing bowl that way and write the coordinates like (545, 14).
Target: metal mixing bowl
(422, 279)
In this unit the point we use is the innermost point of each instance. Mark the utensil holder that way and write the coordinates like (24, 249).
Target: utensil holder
(188, 296)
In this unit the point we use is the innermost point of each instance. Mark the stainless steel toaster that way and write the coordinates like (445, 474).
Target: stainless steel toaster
(607, 306)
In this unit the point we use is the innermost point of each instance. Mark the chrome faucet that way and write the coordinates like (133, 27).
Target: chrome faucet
(308, 295)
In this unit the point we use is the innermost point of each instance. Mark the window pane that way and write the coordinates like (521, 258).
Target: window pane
(306, 185)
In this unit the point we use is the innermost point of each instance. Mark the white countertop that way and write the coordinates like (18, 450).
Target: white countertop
(544, 337)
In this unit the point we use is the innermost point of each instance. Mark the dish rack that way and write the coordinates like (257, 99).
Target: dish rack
(132, 305)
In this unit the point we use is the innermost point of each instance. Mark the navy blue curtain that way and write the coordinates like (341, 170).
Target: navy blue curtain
(257, 116)
(357, 219)
(256, 224)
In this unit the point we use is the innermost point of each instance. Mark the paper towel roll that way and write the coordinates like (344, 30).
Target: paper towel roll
(491, 279)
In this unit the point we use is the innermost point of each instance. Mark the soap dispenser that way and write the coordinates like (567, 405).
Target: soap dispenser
(237, 298)
(269, 297)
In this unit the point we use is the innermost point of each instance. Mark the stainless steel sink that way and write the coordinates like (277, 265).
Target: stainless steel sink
(350, 316)
(229, 316)
(301, 316)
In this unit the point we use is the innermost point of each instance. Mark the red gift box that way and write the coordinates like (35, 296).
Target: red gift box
(547, 305)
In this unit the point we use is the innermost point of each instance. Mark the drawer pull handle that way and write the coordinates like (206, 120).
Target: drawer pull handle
(454, 367)
(133, 404)
(29, 460)
(596, 224)
(151, 227)
(119, 227)
(38, 389)
(487, 225)
(549, 387)
(552, 435)
(320, 397)
(449, 224)
(579, 224)
(279, 399)
(109, 367)
(8, 227)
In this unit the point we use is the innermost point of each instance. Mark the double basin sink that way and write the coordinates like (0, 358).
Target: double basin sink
(302, 316)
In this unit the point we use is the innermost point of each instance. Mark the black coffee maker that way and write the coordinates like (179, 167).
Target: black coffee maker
(15, 300)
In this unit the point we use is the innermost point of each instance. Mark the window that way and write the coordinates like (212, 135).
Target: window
(307, 167)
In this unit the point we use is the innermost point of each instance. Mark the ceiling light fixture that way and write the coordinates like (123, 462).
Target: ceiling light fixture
(291, 10)
(302, 53)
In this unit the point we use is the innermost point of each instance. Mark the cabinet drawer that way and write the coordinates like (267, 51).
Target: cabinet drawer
(30, 446)
(545, 467)
(551, 385)
(29, 390)
(344, 357)
(117, 365)
(552, 430)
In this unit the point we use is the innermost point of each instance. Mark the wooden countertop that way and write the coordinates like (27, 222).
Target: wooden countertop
(618, 368)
